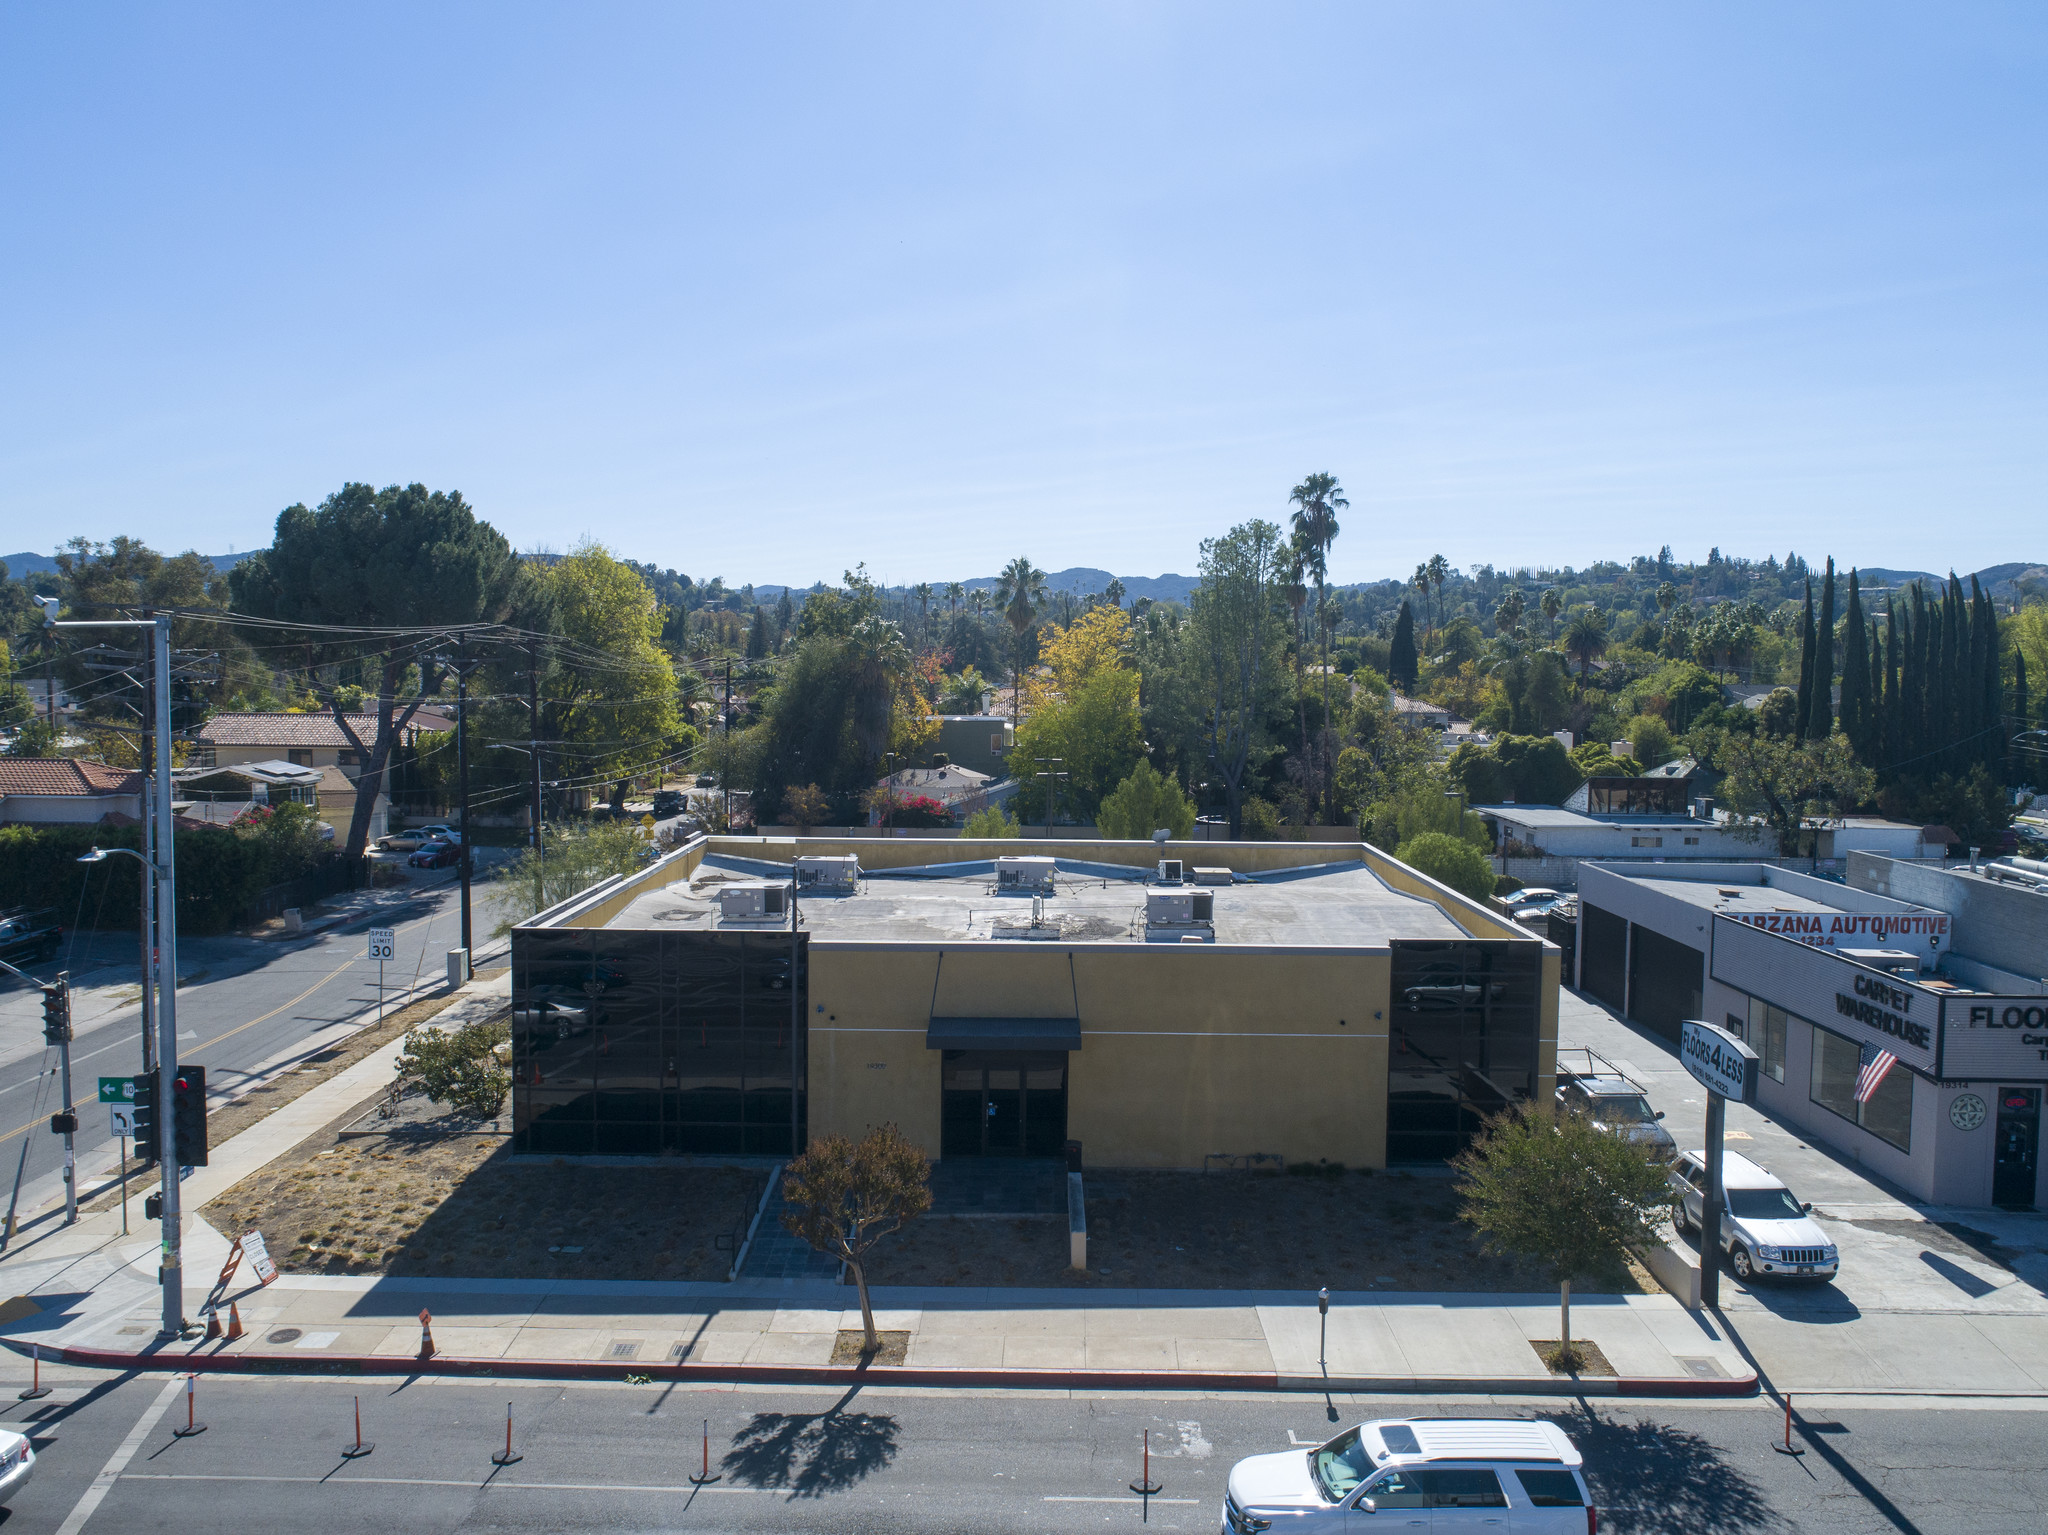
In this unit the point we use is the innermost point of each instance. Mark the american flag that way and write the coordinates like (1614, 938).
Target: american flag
(1876, 1063)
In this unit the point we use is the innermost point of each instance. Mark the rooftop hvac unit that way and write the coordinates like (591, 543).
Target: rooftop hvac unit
(753, 903)
(1169, 871)
(1025, 875)
(1179, 908)
(828, 875)
(1206, 876)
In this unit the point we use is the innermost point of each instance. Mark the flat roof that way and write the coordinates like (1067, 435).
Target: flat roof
(1321, 907)
(1558, 817)
(1736, 900)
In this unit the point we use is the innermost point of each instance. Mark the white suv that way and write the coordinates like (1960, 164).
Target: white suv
(1433, 1473)
(1764, 1230)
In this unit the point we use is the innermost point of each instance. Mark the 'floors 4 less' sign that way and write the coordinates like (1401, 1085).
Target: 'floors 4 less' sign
(1718, 1060)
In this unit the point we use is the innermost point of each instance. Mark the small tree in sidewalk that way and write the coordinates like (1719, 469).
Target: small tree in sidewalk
(845, 1196)
(1551, 1187)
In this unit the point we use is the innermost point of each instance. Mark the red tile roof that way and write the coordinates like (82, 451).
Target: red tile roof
(301, 730)
(65, 775)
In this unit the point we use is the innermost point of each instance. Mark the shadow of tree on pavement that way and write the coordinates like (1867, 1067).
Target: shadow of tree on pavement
(1648, 1476)
(811, 1454)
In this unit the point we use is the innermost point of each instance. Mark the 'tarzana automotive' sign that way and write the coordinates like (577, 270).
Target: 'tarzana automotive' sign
(1718, 1060)
(1916, 930)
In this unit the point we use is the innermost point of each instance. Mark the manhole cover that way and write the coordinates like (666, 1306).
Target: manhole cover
(282, 1335)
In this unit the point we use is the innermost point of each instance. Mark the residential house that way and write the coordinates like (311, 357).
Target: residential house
(54, 791)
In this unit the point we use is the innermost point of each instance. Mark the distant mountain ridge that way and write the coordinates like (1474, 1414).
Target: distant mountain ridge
(26, 564)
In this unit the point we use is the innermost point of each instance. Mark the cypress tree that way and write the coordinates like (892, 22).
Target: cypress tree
(1401, 660)
(1856, 675)
(1888, 731)
(1943, 693)
(1913, 742)
(1991, 745)
(2015, 767)
(1820, 723)
(1805, 703)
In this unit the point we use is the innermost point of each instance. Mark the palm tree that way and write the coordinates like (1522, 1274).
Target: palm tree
(1420, 581)
(954, 592)
(1552, 605)
(1294, 565)
(1509, 613)
(1317, 500)
(1586, 637)
(1020, 593)
(1113, 594)
(1439, 570)
(923, 593)
(880, 661)
(977, 601)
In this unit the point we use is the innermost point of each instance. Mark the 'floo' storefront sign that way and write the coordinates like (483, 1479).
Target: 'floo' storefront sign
(1718, 1060)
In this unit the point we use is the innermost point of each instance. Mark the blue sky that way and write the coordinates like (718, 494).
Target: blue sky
(766, 290)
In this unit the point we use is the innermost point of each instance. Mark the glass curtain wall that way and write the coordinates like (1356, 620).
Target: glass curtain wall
(1461, 1042)
(637, 1042)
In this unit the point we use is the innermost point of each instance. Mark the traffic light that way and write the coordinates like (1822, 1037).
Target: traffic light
(57, 1011)
(188, 1115)
(152, 1207)
(146, 1135)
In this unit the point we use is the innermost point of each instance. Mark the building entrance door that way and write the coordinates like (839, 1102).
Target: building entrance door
(2014, 1174)
(1003, 1103)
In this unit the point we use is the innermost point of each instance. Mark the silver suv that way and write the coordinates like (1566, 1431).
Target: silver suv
(1764, 1230)
(1407, 1473)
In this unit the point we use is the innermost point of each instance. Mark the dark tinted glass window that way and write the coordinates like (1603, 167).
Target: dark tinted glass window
(1398, 1489)
(1551, 1489)
(1400, 1439)
(1463, 1489)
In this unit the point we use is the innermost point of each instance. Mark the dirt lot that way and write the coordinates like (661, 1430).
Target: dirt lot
(459, 1209)
(1230, 1231)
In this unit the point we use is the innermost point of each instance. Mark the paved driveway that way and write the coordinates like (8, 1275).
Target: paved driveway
(1897, 1255)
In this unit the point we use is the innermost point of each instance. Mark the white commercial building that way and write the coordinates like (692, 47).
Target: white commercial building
(1819, 979)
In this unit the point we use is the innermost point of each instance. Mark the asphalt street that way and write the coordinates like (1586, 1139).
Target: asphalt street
(246, 1007)
(618, 1457)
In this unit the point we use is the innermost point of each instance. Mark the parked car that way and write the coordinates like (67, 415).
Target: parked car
(1519, 1473)
(1764, 1230)
(436, 855)
(1618, 1106)
(1534, 901)
(17, 1464)
(30, 937)
(668, 802)
(415, 837)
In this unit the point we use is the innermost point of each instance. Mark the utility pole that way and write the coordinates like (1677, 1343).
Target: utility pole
(533, 731)
(725, 765)
(1052, 779)
(463, 667)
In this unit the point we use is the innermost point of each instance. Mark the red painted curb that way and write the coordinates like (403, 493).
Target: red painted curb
(846, 1375)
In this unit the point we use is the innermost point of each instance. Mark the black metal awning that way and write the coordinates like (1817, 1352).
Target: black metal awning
(1003, 1034)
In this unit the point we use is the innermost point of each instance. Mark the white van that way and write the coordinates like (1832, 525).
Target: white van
(1434, 1473)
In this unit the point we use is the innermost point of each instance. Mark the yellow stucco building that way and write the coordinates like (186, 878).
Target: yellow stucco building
(1133, 1004)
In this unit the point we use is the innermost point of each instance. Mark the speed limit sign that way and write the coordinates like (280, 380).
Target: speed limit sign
(383, 942)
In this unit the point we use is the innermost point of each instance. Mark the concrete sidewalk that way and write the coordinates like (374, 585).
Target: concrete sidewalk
(1051, 1338)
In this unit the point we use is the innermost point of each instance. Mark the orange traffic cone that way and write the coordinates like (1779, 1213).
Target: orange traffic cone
(234, 1321)
(212, 1324)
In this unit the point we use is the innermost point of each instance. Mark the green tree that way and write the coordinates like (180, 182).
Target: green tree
(804, 806)
(1551, 604)
(402, 558)
(1451, 861)
(566, 863)
(1144, 803)
(1557, 1190)
(1787, 783)
(1237, 637)
(1652, 738)
(992, 821)
(610, 693)
(1530, 770)
(844, 1196)
(1820, 718)
(463, 1069)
